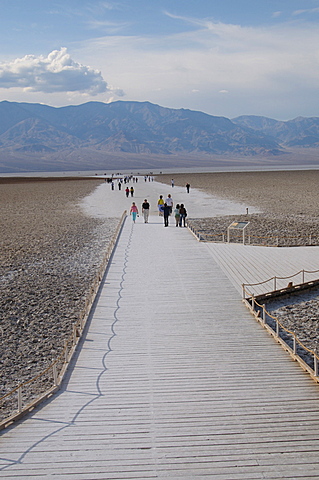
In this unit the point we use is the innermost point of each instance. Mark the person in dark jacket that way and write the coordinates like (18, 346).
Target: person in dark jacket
(166, 211)
(182, 215)
(145, 210)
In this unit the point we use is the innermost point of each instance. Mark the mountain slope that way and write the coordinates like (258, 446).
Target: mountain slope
(129, 127)
(299, 132)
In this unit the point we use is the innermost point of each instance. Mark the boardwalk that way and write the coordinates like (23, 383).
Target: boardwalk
(174, 380)
(251, 264)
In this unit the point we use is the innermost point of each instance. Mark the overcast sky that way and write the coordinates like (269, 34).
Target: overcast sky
(225, 58)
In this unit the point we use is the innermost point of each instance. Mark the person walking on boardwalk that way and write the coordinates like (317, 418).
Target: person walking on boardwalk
(187, 187)
(177, 214)
(132, 191)
(145, 210)
(127, 191)
(134, 211)
(182, 215)
(169, 202)
(160, 205)
(167, 212)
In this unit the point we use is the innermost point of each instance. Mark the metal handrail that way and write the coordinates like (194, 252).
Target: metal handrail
(274, 279)
(67, 352)
(275, 239)
(276, 333)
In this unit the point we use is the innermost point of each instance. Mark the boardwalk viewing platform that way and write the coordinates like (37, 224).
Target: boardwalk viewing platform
(173, 378)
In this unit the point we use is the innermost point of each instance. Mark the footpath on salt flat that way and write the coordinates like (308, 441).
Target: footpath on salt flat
(174, 378)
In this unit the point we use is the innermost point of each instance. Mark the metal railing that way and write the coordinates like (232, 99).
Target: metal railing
(247, 288)
(251, 239)
(307, 358)
(27, 395)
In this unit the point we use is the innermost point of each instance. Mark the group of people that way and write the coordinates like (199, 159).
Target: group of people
(165, 209)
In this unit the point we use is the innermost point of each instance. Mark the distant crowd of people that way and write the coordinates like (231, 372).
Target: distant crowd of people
(165, 207)
(165, 210)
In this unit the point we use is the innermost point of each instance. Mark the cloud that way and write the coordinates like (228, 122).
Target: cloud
(306, 11)
(55, 73)
(108, 27)
(272, 69)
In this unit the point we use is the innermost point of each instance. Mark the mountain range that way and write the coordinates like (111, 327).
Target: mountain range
(139, 134)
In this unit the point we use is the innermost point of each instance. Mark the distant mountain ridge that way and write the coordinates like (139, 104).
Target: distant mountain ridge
(40, 133)
(301, 131)
(126, 126)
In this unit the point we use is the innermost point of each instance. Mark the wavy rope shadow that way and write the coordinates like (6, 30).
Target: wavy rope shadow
(99, 394)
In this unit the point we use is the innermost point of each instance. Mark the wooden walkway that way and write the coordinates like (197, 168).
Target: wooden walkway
(252, 264)
(175, 380)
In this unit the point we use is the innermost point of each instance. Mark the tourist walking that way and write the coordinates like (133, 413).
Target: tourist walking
(182, 215)
(145, 210)
(160, 205)
(166, 212)
(132, 191)
(187, 187)
(127, 191)
(134, 211)
(177, 214)
(172, 182)
(169, 202)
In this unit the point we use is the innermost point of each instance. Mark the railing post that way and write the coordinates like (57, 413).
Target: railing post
(295, 344)
(277, 328)
(20, 399)
(315, 364)
(74, 334)
(264, 314)
(55, 375)
(253, 303)
(66, 351)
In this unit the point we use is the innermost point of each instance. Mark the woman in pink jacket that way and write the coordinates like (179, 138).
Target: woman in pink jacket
(134, 211)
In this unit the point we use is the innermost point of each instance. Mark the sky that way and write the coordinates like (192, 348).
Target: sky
(225, 58)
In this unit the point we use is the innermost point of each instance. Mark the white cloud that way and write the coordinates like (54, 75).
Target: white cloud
(307, 11)
(55, 73)
(107, 27)
(273, 68)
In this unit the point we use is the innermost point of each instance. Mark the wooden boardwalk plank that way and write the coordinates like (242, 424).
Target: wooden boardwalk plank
(252, 264)
(174, 379)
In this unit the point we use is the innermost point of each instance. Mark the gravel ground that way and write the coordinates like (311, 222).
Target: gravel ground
(263, 229)
(299, 314)
(50, 253)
